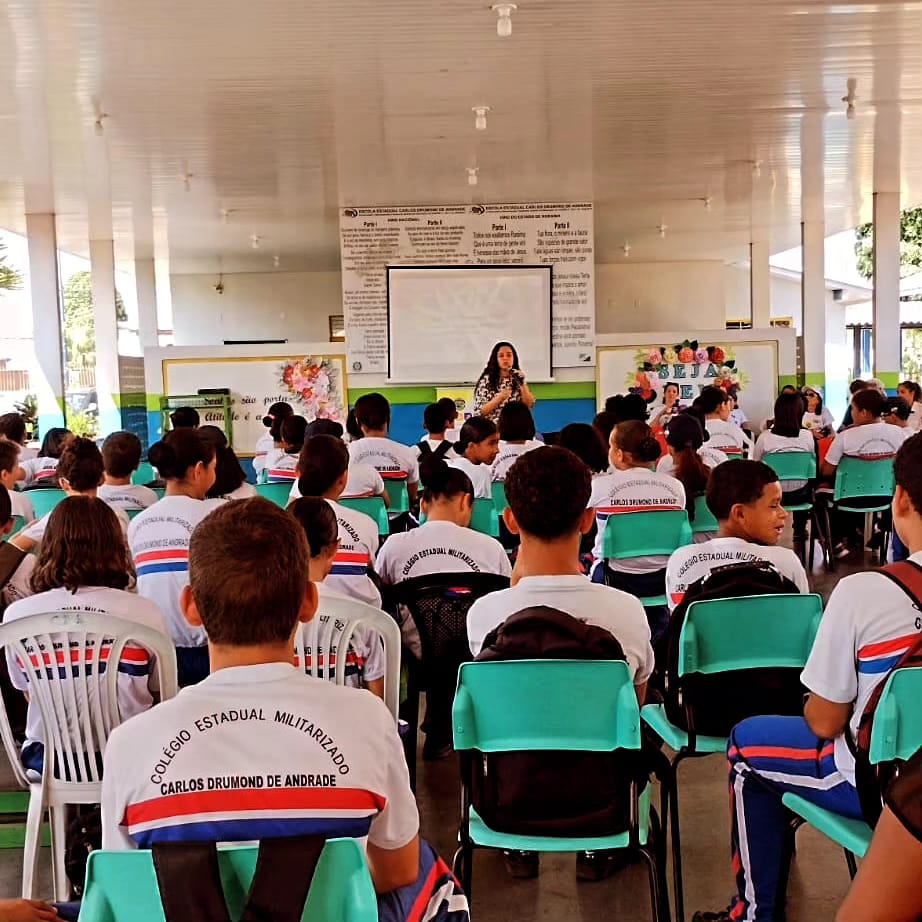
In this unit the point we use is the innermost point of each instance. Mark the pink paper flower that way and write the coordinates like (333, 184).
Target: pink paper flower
(701, 356)
(655, 357)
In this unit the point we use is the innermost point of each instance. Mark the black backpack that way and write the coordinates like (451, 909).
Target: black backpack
(546, 792)
(713, 704)
(441, 449)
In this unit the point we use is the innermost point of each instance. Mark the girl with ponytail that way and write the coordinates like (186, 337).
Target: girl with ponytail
(474, 453)
(273, 419)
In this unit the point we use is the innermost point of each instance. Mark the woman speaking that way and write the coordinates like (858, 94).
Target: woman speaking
(501, 381)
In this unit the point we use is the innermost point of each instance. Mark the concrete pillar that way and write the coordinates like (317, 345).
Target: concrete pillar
(813, 293)
(760, 284)
(146, 284)
(887, 345)
(48, 380)
(102, 268)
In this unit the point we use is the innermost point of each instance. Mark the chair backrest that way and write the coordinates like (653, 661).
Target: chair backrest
(792, 465)
(372, 506)
(45, 499)
(160, 491)
(897, 729)
(144, 474)
(131, 513)
(642, 534)
(277, 493)
(864, 478)
(399, 499)
(483, 518)
(319, 642)
(19, 523)
(122, 885)
(66, 656)
(499, 496)
(705, 520)
(523, 705)
(750, 632)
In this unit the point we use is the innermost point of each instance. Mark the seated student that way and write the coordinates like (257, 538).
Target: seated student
(911, 392)
(10, 474)
(633, 487)
(897, 412)
(738, 414)
(853, 388)
(365, 657)
(475, 451)
(229, 480)
(390, 459)
(585, 442)
(868, 623)
(686, 432)
(435, 422)
(716, 405)
(248, 589)
(353, 430)
(84, 566)
(42, 470)
(516, 436)
(745, 498)
(272, 420)
(121, 455)
(159, 539)
(185, 418)
(80, 472)
(281, 462)
(450, 409)
(603, 423)
(13, 427)
(626, 407)
(323, 470)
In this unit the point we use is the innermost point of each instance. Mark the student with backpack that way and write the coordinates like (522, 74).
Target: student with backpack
(435, 422)
(870, 622)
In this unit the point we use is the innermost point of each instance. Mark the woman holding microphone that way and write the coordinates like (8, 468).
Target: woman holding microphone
(500, 382)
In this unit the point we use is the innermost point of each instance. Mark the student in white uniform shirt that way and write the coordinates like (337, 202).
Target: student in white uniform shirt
(324, 471)
(281, 462)
(84, 566)
(13, 427)
(685, 435)
(121, 455)
(633, 487)
(435, 422)
(716, 405)
(159, 539)
(229, 479)
(912, 394)
(516, 436)
(10, 474)
(266, 443)
(43, 469)
(80, 472)
(450, 409)
(475, 451)
(745, 498)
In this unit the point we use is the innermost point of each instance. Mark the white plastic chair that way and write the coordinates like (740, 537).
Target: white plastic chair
(332, 628)
(79, 710)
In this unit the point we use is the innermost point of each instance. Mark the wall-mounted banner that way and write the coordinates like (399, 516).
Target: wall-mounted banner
(467, 235)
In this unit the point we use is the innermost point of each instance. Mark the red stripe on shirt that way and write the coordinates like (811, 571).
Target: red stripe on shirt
(887, 646)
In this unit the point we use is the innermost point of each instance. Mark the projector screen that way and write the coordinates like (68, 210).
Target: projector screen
(444, 320)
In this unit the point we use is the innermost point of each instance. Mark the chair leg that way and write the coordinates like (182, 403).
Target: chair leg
(462, 866)
(827, 527)
(676, 844)
(852, 864)
(659, 905)
(58, 816)
(811, 540)
(32, 842)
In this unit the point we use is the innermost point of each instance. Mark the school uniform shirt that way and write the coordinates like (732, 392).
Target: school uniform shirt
(688, 564)
(244, 491)
(480, 475)
(738, 417)
(36, 531)
(19, 585)
(253, 752)
(868, 623)
(136, 667)
(358, 544)
(392, 460)
(710, 456)
(264, 444)
(280, 465)
(635, 490)
(28, 453)
(915, 417)
(768, 443)
(158, 539)
(871, 441)
(818, 420)
(362, 480)
(593, 603)
(39, 470)
(364, 658)
(439, 547)
(725, 435)
(22, 505)
(509, 453)
(129, 496)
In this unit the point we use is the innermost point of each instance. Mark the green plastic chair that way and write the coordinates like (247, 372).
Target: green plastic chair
(528, 705)
(19, 523)
(642, 534)
(372, 506)
(277, 493)
(791, 466)
(131, 513)
(160, 491)
(705, 520)
(895, 735)
(121, 886)
(483, 518)
(45, 499)
(144, 474)
(499, 496)
(726, 635)
(396, 490)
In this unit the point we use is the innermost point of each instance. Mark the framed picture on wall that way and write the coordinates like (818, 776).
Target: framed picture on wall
(337, 328)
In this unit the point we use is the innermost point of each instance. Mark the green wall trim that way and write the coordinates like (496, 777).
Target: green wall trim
(420, 394)
(785, 380)
(891, 379)
(153, 403)
(815, 379)
(564, 390)
(130, 400)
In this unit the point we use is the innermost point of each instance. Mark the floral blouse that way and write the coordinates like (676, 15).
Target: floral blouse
(484, 393)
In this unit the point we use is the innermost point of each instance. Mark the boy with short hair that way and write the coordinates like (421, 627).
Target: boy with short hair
(745, 498)
(869, 622)
(121, 456)
(314, 757)
(10, 473)
(391, 459)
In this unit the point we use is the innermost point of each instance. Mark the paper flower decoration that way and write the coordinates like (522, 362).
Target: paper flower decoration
(686, 355)
(717, 355)
(701, 356)
(655, 357)
(670, 356)
(314, 385)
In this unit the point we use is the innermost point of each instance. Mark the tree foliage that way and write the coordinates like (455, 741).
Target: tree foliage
(79, 320)
(10, 279)
(910, 244)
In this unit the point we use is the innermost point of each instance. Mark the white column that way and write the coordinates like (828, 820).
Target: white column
(48, 381)
(887, 348)
(760, 284)
(146, 284)
(108, 390)
(813, 240)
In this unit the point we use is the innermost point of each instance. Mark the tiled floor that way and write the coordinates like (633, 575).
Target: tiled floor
(819, 877)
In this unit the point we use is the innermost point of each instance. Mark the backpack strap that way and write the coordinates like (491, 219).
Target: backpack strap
(284, 870)
(424, 447)
(190, 882)
(443, 449)
(907, 574)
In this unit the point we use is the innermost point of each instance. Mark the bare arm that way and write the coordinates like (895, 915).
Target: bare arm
(827, 719)
(525, 395)
(641, 691)
(828, 470)
(393, 868)
(375, 686)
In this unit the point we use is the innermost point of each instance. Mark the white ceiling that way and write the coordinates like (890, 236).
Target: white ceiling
(284, 110)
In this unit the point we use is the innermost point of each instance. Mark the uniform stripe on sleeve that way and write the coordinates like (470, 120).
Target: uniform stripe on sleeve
(350, 563)
(876, 658)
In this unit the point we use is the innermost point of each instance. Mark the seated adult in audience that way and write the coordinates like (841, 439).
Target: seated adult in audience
(159, 539)
(229, 479)
(745, 498)
(281, 462)
(670, 406)
(911, 392)
(248, 589)
(816, 417)
(474, 453)
(516, 436)
(84, 565)
(10, 474)
(869, 622)
(716, 405)
(121, 456)
(185, 418)
(392, 460)
(42, 470)
(435, 422)
(13, 427)
(857, 385)
(272, 421)
(690, 461)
